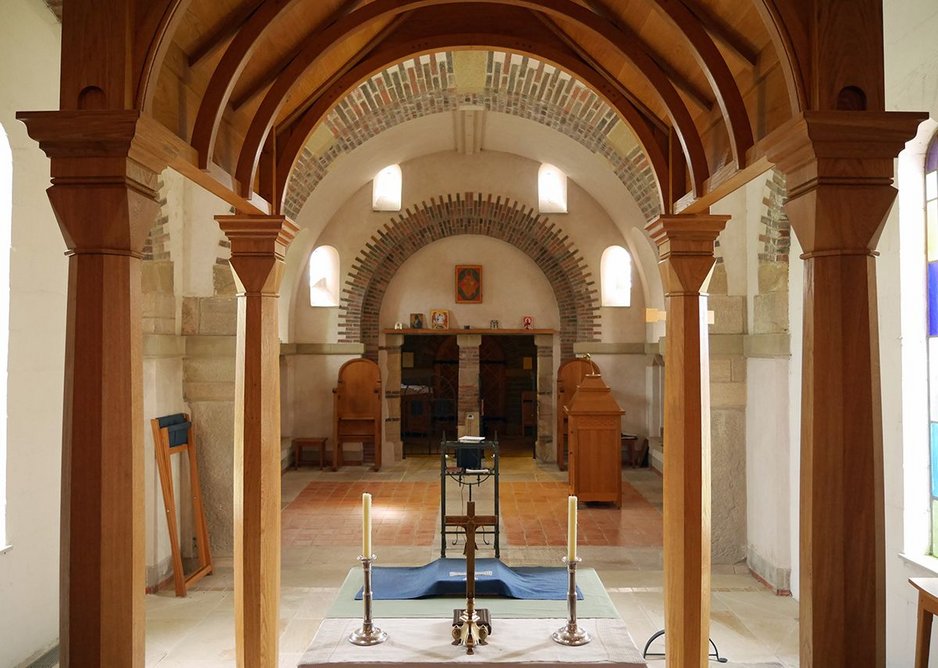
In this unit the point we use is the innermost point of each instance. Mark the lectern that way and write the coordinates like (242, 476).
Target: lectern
(595, 464)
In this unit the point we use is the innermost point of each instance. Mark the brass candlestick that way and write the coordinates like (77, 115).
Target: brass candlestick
(571, 634)
(368, 634)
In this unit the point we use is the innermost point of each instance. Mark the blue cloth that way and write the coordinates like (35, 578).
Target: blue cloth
(447, 577)
(177, 427)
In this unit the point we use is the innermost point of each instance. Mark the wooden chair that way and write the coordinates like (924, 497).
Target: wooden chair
(569, 376)
(357, 409)
(172, 435)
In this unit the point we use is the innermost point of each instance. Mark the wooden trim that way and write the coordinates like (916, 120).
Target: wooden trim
(450, 332)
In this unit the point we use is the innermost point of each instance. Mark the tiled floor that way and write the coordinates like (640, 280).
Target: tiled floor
(321, 539)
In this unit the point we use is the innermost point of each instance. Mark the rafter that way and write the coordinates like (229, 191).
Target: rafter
(696, 95)
(721, 32)
(351, 63)
(584, 55)
(270, 106)
(223, 31)
(292, 138)
(268, 76)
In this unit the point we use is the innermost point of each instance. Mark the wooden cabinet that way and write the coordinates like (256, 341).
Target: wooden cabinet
(593, 418)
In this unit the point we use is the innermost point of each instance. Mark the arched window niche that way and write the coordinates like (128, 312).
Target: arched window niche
(551, 189)
(616, 276)
(931, 272)
(324, 277)
(386, 189)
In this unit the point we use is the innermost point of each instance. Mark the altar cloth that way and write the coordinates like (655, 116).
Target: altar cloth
(418, 643)
(595, 602)
(447, 577)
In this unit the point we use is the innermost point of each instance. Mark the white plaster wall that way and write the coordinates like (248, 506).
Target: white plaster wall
(768, 462)
(796, 330)
(29, 574)
(911, 65)
(513, 285)
(201, 237)
(431, 134)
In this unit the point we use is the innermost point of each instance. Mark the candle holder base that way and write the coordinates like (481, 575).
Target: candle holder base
(571, 634)
(366, 637)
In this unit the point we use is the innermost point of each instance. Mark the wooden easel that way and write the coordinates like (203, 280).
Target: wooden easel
(172, 435)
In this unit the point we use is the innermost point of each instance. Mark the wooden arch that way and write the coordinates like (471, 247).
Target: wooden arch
(322, 102)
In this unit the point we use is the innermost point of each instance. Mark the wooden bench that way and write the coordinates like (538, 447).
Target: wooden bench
(311, 442)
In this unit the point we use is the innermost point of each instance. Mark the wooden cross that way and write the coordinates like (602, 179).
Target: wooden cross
(469, 633)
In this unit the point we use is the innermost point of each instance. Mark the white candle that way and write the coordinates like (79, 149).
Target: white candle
(366, 525)
(571, 528)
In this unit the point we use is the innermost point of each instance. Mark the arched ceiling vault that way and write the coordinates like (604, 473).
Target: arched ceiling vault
(243, 82)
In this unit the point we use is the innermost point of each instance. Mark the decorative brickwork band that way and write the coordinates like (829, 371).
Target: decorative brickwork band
(453, 215)
(442, 82)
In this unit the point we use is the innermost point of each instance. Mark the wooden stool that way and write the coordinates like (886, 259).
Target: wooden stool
(927, 607)
(311, 442)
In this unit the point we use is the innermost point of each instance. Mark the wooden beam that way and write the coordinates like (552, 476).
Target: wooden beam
(224, 31)
(696, 94)
(721, 80)
(267, 77)
(721, 32)
(575, 46)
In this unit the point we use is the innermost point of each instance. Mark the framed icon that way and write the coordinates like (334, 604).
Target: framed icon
(416, 321)
(468, 284)
(439, 318)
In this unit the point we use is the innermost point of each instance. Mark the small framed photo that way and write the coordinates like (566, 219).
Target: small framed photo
(468, 283)
(417, 321)
(439, 318)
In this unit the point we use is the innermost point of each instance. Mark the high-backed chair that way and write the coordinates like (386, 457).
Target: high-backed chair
(569, 376)
(357, 409)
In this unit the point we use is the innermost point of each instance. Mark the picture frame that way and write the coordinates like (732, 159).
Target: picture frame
(439, 318)
(468, 284)
(417, 321)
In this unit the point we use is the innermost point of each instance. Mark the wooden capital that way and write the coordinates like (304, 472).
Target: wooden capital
(685, 249)
(258, 246)
(839, 170)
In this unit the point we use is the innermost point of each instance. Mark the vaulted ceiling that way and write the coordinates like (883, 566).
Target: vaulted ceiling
(247, 82)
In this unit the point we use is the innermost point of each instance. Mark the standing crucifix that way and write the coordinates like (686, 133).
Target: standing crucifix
(466, 630)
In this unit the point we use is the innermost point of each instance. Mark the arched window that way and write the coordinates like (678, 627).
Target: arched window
(551, 189)
(616, 273)
(6, 226)
(386, 189)
(324, 277)
(931, 258)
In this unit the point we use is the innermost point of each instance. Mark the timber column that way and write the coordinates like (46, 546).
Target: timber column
(839, 167)
(258, 244)
(104, 197)
(469, 378)
(685, 251)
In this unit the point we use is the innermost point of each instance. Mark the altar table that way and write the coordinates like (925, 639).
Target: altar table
(421, 642)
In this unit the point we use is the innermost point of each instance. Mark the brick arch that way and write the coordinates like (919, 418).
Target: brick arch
(472, 213)
(776, 228)
(510, 83)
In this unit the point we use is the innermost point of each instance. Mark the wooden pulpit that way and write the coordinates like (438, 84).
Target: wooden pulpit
(357, 410)
(593, 419)
(569, 376)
